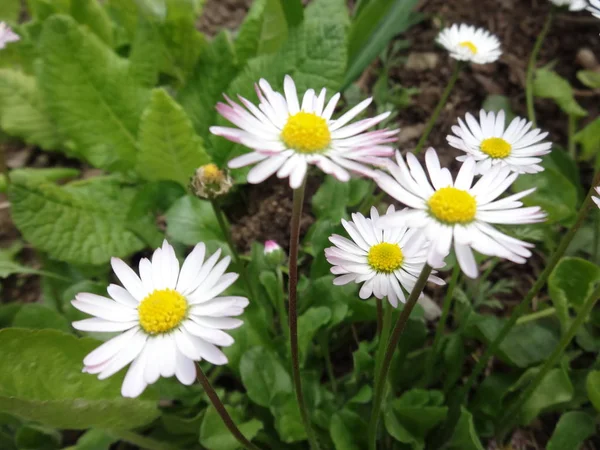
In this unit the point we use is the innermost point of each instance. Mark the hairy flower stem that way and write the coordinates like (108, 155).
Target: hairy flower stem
(459, 399)
(218, 405)
(293, 312)
(531, 67)
(438, 109)
(441, 325)
(382, 373)
(512, 412)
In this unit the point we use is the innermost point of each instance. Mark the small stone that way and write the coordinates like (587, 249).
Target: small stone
(420, 62)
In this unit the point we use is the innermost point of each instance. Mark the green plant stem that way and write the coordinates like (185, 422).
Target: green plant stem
(531, 66)
(141, 441)
(218, 405)
(386, 328)
(536, 315)
(572, 146)
(324, 344)
(293, 313)
(441, 325)
(282, 310)
(455, 403)
(512, 412)
(438, 109)
(382, 373)
(379, 316)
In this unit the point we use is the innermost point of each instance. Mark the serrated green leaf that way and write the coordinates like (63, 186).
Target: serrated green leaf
(214, 434)
(265, 379)
(91, 14)
(191, 220)
(10, 10)
(41, 380)
(90, 95)
(169, 147)
(548, 84)
(21, 111)
(80, 224)
(589, 139)
(572, 429)
(39, 317)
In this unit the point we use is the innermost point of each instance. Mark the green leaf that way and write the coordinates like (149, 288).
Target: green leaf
(590, 78)
(36, 437)
(322, 292)
(42, 9)
(264, 377)
(214, 434)
(41, 380)
(499, 103)
(570, 283)
(95, 440)
(331, 199)
(554, 389)
(589, 139)
(465, 435)
(263, 31)
(191, 220)
(548, 84)
(572, 429)
(40, 175)
(592, 386)
(372, 30)
(38, 316)
(8, 265)
(348, 430)
(10, 10)
(288, 421)
(80, 224)
(21, 111)
(308, 324)
(294, 11)
(91, 14)
(90, 95)
(169, 147)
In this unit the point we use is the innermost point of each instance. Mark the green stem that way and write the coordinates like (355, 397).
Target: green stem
(441, 325)
(282, 310)
(512, 411)
(379, 316)
(324, 343)
(293, 319)
(492, 349)
(386, 328)
(380, 379)
(141, 441)
(218, 405)
(438, 109)
(531, 66)
(536, 315)
(572, 146)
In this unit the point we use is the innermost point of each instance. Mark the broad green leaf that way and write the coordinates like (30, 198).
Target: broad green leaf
(465, 435)
(83, 224)
(288, 421)
(590, 78)
(42, 9)
(40, 175)
(169, 147)
(589, 139)
(570, 283)
(372, 30)
(328, 10)
(41, 380)
(322, 292)
(592, 386)
(548, 84)
(91, 14)
(572, 429)
(331, 199)
(308, 324)
(554, 389)
(263, 31)
(36, 437)
(90, 95)
(124, 15)
(36, 316)
(264, 377)
(214, 434)
(94, 440)
(359, 189)
(10, 10)
(191, 220)
(348, 430)
(294, 11)
(21, 111)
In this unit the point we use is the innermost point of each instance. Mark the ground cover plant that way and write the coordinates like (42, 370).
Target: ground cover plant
(280, 236)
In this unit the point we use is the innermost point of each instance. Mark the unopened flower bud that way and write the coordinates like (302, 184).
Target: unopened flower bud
(274, 254)
(210, 182)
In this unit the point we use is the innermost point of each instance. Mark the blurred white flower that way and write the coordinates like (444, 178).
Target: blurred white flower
(7, 35)
(594, 8)
(574, 5)
(459, 211)
(387, 261)
(169, 318)
(490, 143)
(467, 43)
(596, 199)
(287, 136)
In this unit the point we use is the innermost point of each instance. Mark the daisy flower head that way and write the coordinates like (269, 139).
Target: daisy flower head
(596, 199)
(460, 211)
(574, 5)
(467, 43)
(7, 35)
(387, 260)
(491, 143)
(168, 317)
(594, 8)
(287, 135)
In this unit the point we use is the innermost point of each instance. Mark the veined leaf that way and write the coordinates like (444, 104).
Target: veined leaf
(548, 84)
(169, 147)
(573, 428)
(92, 14)
(85, 225)
(90, 95)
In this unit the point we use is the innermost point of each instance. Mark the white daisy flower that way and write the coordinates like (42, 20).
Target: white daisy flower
(594, 8)
(388, 261)
(574, 5)
(488, 141)
(458, 211)
(287, 135)
(168, 317)
(596, 199)
(467, 43)
(7, 35)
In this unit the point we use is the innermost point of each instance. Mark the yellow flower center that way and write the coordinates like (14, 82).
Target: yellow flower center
(385, 257)
(211, 173)
(496, 147)
(470, 46)
(306, 133)
(452, 205)
(162, 311)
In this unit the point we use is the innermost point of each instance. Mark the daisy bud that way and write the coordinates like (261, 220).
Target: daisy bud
(210, 182)
(7, 35)
(274, 254)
